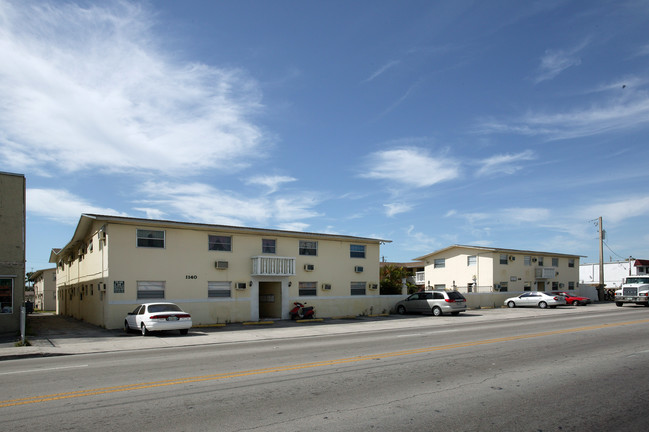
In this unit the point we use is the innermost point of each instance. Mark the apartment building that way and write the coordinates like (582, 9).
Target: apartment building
(44, 289)
(217, 273)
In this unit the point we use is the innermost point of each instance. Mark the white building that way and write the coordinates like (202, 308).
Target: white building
(614, 271)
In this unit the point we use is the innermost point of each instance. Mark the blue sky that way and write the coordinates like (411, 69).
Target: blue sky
(429, 123)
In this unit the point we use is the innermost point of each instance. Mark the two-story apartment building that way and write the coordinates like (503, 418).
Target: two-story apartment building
(217, 273)
(484, 269)
(12, 250)
(44, 289)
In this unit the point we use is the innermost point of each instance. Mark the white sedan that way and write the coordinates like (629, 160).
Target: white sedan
(158, 316)
(536, 299)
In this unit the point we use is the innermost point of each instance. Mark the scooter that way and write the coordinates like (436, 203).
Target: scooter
(301, 311)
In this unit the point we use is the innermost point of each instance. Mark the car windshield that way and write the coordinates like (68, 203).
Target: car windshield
(164, 308)
(637, 280)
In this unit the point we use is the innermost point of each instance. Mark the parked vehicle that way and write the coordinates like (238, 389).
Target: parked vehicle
(634, 289)
(302, 311)
(536, 299)
(149, 317)
(437, 302)
(573, 300)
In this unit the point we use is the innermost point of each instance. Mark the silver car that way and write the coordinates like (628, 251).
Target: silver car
(536, 299)
(436, 302)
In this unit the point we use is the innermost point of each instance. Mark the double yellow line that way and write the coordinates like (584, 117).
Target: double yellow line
(154, 384)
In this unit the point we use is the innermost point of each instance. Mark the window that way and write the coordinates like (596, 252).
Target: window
(6, 295)
(150, 238)
(471, 260)
(308, 289)
(503, 259)
(540, 261)
(571, 262)
(527, 286)
(440, 286)
(308, 247)
(502, 286)
(555, 262)
(358, 288)
(555, 286)
(150, 290)
(439, 263)
(527, 260)
(357, 251)
(571, 285)
(268, 246)
(218, 289)
(220, 243)
(118, 287)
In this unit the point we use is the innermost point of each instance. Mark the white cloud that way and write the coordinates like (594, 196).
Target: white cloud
(411, 166)
(618, 211)
(91, 88)
(393, 209)
(62, 206)
(504, 163)
(271, 182)
(382, 69)
(556, 61)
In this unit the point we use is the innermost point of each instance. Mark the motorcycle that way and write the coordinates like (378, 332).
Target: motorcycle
(301, 311)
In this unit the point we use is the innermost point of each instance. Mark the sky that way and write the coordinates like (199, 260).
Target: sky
(428, 123)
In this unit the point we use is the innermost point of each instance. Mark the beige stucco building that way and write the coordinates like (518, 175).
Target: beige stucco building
(12, 250)
(44, 289)
(217, 273)
(484, 269)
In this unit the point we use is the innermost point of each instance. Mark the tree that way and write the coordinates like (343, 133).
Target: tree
(391, 278)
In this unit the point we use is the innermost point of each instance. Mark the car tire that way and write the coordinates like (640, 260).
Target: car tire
(401, 310)
(145, 331)
(437, 311)
(127, 329)
(619, 304)
(184, 331)
(543, 305)
(511, 305)
(455, 313)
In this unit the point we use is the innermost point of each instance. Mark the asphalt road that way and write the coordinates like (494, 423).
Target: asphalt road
(553, 371)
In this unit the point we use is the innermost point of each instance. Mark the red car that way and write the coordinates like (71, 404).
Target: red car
(573, 300)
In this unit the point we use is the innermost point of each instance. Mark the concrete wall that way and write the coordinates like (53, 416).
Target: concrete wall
(12, 249)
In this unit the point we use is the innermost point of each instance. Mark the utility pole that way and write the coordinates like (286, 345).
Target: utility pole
(600, 288)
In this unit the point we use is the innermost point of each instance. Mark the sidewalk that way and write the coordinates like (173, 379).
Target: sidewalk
(52, 335)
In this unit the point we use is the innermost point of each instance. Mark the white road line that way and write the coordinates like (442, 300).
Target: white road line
(43, 369)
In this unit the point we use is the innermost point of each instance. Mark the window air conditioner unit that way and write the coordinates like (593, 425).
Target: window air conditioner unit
(309, 267)
(358, 269)
(512, 258)
(326, 286)
(374, 286)
(534, 259)
(240, 285)
(221, 265)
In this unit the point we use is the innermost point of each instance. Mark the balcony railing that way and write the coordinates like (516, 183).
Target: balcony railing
(420, 278)
(273, 266)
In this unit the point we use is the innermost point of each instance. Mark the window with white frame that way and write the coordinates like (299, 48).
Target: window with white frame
(308, 247)
(503, 258)
(358, 288)
(219, 289)
(471, 260)
(268, 246)
(571, 285)
(571, 262)
(439, 263)
(540, 261)
(307, 289)
(150, 290)
(555, 262)
(220, 243)
(440, 286)
(150, 238)
(527, 260)
(356, 251)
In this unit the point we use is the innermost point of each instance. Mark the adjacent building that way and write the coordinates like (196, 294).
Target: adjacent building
(12, 250)
(614, 271)
(218, 273)
(475, 269)
(44, 289)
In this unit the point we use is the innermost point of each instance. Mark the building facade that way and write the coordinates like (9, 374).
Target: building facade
(217, 273)
(614, 271)
(12, 250)
(44, 289)
(475, 269)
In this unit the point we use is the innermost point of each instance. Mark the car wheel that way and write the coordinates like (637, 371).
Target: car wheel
(401, 310)
(543, 305)
(127, 329)
(619, 304)
(145, 331)
(455, 313)
(184, 331)
(437, 311)
(511, 305)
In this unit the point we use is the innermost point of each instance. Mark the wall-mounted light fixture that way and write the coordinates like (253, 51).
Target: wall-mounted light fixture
(250, 283)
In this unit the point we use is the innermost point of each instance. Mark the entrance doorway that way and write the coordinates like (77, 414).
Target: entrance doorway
(540, 286)
(270, 300)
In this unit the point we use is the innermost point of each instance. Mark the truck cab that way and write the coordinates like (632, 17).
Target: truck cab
(634, 289)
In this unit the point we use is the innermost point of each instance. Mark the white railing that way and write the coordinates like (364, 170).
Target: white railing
(420, 278)
(273, 266)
